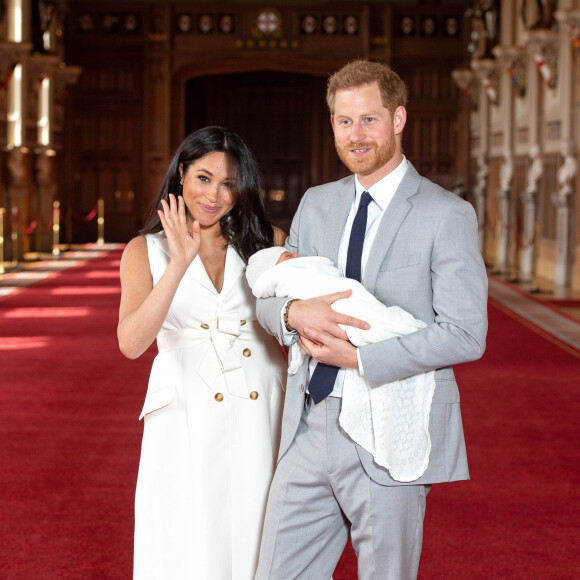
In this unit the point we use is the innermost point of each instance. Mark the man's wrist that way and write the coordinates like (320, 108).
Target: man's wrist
(359, 361)
(285, 314)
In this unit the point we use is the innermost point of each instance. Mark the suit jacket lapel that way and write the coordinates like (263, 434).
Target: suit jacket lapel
(390, 224)
(333, 230)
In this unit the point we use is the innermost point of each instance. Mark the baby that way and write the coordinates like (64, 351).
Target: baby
(390, 421)
(278, 272)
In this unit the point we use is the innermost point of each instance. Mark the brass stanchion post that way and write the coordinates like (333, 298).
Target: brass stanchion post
(14, 237)
(2, 212)
(101, 222)
(56, 228)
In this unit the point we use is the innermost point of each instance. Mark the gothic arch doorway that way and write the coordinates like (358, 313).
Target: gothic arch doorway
(284, 120)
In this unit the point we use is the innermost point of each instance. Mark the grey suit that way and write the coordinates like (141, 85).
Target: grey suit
(425, 259)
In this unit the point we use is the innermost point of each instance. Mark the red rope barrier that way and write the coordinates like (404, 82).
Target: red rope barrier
(90, 216)
(25, 230)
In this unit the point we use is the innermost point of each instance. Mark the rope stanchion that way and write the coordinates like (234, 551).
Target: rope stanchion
(2, 212)
(14, 237)
(56, 228)
(101, 222)
(86, 218)
(31, 227)
(99, 211)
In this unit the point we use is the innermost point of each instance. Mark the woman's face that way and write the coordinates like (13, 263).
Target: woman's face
(208, 189)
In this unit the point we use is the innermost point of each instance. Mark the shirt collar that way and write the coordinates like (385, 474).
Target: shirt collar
(383, 190)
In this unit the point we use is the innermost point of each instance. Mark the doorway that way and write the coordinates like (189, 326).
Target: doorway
(283, 119)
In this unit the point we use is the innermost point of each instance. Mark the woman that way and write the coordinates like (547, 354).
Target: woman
(214, 402)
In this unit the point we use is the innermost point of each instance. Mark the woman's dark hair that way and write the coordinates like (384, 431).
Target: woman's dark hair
(245, 226)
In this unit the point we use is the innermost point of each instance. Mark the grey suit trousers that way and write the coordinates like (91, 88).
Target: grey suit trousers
(320, 493)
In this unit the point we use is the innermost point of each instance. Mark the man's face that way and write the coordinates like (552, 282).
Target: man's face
(365, 133)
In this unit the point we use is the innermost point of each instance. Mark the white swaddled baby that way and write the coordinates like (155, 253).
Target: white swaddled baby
(390, 421)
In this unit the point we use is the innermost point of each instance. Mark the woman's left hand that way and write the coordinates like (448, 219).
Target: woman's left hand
(183, 244)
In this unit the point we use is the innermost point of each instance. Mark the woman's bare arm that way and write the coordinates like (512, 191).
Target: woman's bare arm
(143, 306)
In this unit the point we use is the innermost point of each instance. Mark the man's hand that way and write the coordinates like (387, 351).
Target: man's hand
(329, 349)
(317, 315)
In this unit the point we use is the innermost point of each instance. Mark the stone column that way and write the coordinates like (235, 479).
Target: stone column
(564, 213)
(487, 74)
(564, 200)
(504, 194)
(529, 227)
(480, 194)
(46, 187)
(158, 98)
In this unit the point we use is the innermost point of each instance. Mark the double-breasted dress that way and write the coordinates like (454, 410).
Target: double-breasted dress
(211, 430)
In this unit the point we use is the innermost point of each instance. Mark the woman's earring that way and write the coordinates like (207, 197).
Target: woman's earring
(180, 189)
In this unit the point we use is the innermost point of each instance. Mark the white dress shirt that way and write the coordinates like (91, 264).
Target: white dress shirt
(382, 193)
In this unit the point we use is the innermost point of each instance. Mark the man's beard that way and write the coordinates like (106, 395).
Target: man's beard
(370, 163)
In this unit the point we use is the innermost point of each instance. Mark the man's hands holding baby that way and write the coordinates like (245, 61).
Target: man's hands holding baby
(320, 336)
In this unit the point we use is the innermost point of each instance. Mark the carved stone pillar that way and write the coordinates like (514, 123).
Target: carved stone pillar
(480, 195)
(514, 60)
(564, 214)
(488, 72)
(504, 194)
(529, 227)
(542, 46)
(159, 98)
(46, 188)
(64, 77)
(569, 21)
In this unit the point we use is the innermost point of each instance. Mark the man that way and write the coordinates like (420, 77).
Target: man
(414, 245)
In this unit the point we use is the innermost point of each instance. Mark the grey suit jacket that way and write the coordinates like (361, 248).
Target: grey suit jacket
(425, 259)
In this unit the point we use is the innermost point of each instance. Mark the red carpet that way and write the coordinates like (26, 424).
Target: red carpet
(70, 446)
(70, 451)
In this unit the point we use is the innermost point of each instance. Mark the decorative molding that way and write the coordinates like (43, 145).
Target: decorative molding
(488, 73)
(464, 79)
(268, 24)
(11, 54)
(64, 77)
(514, 61)
(569, 21)
(40, 66)
(543, 48)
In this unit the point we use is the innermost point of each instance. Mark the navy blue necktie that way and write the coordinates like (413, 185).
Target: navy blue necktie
(323, 378)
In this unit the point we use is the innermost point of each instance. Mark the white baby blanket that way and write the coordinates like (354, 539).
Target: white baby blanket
(391, 421)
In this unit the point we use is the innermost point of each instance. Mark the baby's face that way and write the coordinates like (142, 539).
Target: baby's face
(286, 256)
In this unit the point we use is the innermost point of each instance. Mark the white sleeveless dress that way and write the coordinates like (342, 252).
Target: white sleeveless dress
(212, 419)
